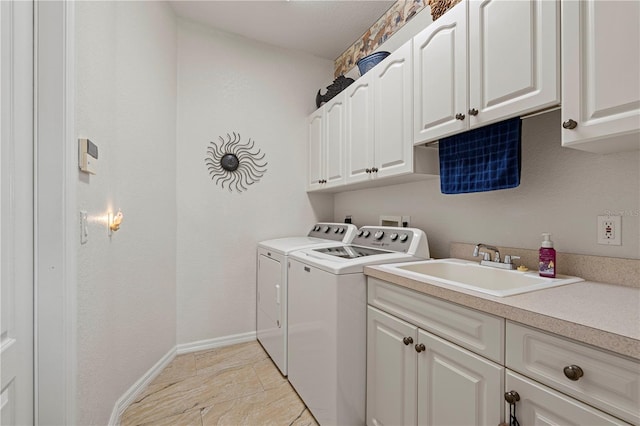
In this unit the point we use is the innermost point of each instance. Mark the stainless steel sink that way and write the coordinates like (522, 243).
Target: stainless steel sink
(472, 276)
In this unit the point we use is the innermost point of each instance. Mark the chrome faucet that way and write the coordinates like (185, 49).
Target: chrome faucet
(477, 252)
(496, 262)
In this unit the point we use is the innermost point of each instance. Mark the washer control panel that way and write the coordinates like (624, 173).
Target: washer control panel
(332, 231)
(385, 237)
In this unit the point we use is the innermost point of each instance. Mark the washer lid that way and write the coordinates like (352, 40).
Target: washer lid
(349, 252)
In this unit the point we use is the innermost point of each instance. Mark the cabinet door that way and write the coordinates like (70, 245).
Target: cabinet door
(540, 405)
(391, 370)
(334, 141)
(393, 102)
(359, 138)
(457, 387)
(514, 58)
(601, 65)
(316, 158)
(440, 77)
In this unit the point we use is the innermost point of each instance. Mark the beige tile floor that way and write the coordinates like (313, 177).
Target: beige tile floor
(233, 385)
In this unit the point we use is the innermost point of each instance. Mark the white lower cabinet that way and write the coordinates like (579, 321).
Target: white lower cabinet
(456, 386)
(392, 381)
(415, 377)
(606, 381)
(427, 364)
(541, 405)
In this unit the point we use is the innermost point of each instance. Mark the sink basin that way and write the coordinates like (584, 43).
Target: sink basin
(472, 276)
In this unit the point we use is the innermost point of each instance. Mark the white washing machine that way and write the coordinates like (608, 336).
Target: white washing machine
(327, 318)
(271, 283)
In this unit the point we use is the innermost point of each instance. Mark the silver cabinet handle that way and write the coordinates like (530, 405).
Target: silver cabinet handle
(569, 124)
(459, 116)
(407, 340)
(420, 347)
(473, 112)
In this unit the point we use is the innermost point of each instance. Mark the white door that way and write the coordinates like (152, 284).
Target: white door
(601, 65)
(16, 213)
(540, 405)
(393, 103)
(391, 370)
(334, 141)
(316, 160)
(514, 58)
(440, 77)
(457, 387)
(359, 132)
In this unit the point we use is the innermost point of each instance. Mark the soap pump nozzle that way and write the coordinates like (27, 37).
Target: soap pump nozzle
(546, 242)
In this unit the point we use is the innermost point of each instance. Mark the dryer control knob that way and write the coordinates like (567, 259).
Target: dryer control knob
(378, 235)
(325, 229)
(360, 232)
(317, 228)
(366, 234)
(342, 230)
(393, 236)
(336, 230)
(403, 237)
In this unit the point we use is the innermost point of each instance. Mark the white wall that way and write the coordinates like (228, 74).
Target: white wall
(126, 104)
(562, 191)
(231, 84)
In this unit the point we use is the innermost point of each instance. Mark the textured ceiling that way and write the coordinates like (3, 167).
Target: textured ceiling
(323, 28)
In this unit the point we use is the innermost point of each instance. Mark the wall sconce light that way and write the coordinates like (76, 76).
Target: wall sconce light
(114, 221)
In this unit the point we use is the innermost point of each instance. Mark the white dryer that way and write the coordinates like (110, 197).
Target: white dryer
(271, 283)
(327, 318)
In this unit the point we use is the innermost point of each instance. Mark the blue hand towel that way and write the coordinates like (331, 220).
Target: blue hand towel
(484, 159)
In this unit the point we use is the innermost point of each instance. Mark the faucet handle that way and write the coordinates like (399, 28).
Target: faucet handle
(508, 259)
(485, 255)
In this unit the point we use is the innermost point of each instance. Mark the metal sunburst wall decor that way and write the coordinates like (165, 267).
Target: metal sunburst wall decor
(235, 164)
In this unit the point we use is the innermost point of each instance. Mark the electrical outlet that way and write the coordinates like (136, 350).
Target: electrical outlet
(609, 230)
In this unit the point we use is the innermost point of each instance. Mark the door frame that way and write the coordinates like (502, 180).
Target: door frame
(55, 221)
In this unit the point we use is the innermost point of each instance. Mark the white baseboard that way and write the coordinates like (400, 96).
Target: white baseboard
(218, 342)
(130, 395)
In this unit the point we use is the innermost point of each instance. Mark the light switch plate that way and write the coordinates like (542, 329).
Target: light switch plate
(84, 227)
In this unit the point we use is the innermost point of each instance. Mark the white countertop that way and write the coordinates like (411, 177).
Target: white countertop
(603, 315)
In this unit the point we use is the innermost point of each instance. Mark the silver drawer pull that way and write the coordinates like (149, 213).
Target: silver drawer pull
(573, 372)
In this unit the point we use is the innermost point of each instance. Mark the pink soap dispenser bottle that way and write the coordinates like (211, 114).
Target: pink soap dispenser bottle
(547, 265)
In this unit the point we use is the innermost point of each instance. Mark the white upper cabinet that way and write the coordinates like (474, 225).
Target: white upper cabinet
(600, 77)
(484, 61)
(440, 76)
(514, 58)
(393, 103)
(359, 132)
(315, 124)
(326, 145)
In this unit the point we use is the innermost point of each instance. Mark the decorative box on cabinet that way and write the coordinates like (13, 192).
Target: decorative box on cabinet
(511, 67)
(600, 69)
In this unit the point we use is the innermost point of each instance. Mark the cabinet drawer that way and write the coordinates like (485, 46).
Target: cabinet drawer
(609, 382)
(540, 405)
(479, 332)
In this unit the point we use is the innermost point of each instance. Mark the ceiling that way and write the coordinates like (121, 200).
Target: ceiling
(323, 28)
